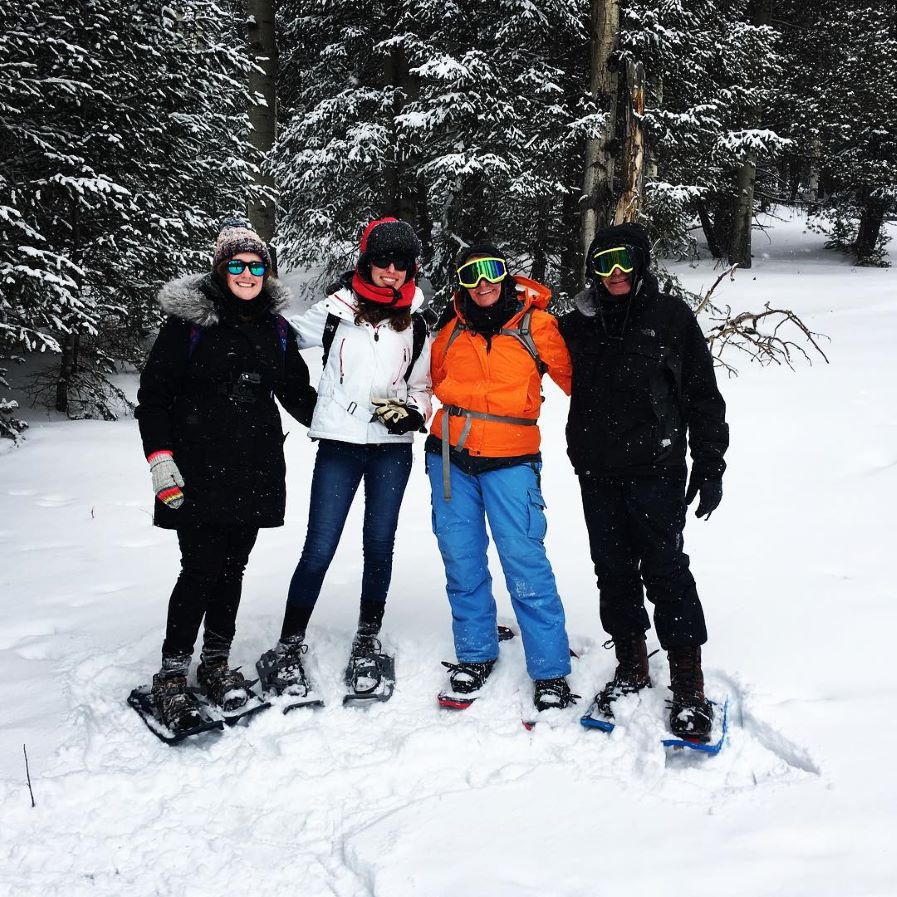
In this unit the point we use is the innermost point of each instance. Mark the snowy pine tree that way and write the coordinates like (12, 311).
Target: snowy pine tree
(123, 142)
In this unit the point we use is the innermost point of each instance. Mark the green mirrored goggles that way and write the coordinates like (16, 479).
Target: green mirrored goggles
(608, 259)
(491, 269)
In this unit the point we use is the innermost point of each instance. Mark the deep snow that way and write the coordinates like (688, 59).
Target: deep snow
(795, 570)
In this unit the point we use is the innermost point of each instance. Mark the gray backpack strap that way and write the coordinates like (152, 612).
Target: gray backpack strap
(523, 334)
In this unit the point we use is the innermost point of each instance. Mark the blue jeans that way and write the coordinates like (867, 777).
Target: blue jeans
(512, 500)
(339, 468)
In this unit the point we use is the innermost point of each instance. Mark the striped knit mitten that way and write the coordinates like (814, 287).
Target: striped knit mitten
(167, 479)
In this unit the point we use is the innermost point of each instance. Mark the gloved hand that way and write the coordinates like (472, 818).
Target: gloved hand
(711, 494)
(397, 417)
(167, 479)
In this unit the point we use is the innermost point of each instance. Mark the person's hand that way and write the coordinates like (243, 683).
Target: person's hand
(397, 417)
(167, 479)
(711, 495)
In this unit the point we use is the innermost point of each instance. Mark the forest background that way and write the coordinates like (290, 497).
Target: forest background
(128, 130)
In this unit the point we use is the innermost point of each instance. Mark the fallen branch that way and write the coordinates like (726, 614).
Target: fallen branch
(762, 335)
(703, 303)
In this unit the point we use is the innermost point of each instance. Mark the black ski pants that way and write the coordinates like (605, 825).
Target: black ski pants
(209, 586)
(635, 529)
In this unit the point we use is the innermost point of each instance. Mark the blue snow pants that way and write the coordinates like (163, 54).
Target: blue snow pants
(512, 501)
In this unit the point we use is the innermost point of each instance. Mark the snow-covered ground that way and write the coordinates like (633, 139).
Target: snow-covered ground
(795, 570)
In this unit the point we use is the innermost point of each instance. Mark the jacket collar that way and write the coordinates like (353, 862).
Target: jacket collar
(193, 298)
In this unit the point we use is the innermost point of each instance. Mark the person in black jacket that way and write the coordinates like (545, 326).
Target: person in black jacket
(643, 391)
(212, 434)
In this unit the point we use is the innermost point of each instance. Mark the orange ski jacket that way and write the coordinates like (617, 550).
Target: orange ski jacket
(502, 382)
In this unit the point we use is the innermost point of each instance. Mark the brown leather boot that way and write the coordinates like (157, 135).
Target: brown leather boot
(691, 714)
(631, 675)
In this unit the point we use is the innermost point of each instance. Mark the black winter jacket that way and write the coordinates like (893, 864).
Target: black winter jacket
(213, 407)
(642, 378)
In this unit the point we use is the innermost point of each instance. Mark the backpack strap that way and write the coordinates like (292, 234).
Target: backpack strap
(330, 326)
(195, 337)
(283, 331)
(418, 338)
(523, 334)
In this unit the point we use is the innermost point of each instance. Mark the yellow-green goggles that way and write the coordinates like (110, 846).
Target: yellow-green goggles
(609, 259)
(491, 269)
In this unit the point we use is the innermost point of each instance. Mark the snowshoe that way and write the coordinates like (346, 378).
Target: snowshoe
(691, 717)
(370, 674)
(466, 679)
(228, 693)
(709, 743)
(553, 694)
(281, 674)
(170, 711)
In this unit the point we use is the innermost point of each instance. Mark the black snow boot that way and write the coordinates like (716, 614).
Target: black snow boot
(224, 687)
(363, 673)
(174, 706)
(551, 694)
(691, 714)
(280, 670)
(631, 675)
(466, 678)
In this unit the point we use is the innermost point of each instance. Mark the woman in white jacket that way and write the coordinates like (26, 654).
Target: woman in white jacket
(374, 393)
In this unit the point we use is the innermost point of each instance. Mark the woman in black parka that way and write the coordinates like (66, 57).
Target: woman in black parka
(212, 434)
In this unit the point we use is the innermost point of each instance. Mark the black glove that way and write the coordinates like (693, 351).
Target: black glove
(711, 495)
(397, 417)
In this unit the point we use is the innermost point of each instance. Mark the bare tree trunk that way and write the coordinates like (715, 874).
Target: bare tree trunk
(69, 363)
(538, 253)
(871, 220)
(709, 230)
(260, 35)
(743, 213)
(633, 175)
(655, 96)
(760, 12)
(598, 182)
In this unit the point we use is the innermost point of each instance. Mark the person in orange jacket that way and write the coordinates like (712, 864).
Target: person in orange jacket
(494, 344)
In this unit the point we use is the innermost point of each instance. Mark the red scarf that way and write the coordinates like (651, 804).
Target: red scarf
(400, 298)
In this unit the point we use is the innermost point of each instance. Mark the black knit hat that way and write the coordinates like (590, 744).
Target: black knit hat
(389, 235)
(483, 250)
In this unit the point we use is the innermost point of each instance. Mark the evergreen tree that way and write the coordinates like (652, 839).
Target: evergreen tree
(122, 145)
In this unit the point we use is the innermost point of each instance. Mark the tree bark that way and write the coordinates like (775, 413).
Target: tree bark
(261, 39)
(760, 13)
(633, 175)
(871, 220)
(598, 182)
(743, 213)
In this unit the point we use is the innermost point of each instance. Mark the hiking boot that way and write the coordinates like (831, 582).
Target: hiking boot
(174, 706)
(631, 675)
(224, 687)
(363, 673)
(280, 670)
(468, 677)
(551, 694)
(691, 714)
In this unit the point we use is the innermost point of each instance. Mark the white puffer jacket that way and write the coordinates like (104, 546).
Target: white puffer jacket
(364, 363)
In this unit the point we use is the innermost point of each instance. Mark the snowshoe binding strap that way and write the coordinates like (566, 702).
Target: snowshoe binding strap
(468, 677)
(280, 670)
(553, 694)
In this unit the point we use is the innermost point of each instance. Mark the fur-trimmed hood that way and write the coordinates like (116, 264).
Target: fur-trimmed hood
(194, 298)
